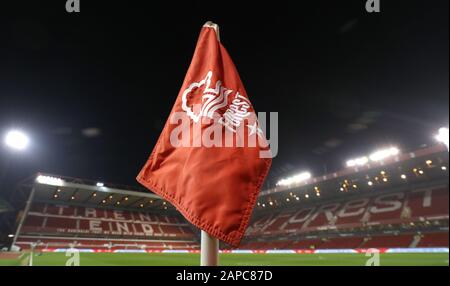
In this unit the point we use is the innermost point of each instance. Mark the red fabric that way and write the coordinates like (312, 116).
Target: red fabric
(214, 188)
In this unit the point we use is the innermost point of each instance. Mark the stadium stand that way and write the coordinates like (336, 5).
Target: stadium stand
(50, 224)
(366, 210)
(343, 242)
(386, 241)
(434, 240)
(402, 203)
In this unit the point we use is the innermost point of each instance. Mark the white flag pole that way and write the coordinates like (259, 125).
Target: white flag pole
(210, 24)
(209, 251)
(209, 246)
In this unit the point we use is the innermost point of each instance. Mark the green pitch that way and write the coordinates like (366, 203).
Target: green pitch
(170, 259)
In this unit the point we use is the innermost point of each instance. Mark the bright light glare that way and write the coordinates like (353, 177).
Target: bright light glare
(17, 140)
(357, 162)
(375, 156)
(100, 184)
(383, 154)
(443, 136)
(48, 180)
(294, 179)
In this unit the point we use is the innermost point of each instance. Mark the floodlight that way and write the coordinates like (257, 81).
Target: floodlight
(48, 180)
(295, 179)
(442, 136)
(357, 162)
(17, 140)
(384, 153)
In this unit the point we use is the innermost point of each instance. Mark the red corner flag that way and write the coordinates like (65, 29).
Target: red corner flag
(214, 186)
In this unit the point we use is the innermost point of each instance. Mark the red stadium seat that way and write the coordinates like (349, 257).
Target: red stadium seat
(434, 240)
(96, 228)
(387, 241)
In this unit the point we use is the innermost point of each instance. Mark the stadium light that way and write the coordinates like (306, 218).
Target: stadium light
(10, 235)
(48, 180)
(16, 140)
(442, 136)
(295, 179)
(100, 184)
(383, 154)
(378, 155)
(357, 162)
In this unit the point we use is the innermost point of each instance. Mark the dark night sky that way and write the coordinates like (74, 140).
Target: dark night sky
(343, 81)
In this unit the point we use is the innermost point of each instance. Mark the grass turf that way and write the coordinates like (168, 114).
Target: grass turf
(184, 259)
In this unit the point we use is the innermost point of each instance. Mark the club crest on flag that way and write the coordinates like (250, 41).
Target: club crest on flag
(214, 99)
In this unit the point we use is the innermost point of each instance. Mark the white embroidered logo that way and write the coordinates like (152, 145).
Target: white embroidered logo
(215, 98)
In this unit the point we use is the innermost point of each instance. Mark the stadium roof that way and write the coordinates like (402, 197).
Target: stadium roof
(66, 190)
(353, 170)
(422, 167)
